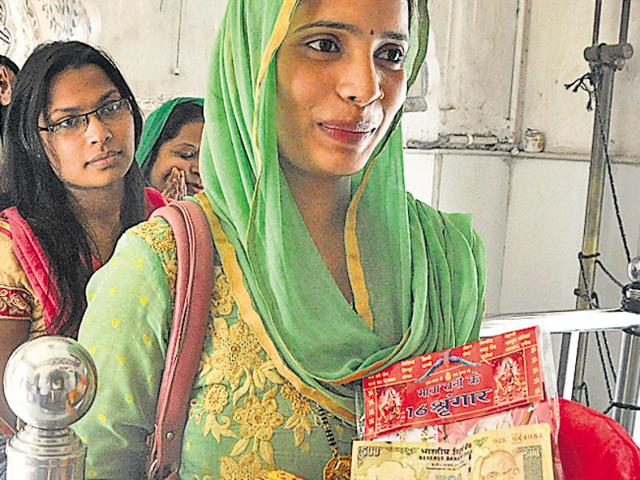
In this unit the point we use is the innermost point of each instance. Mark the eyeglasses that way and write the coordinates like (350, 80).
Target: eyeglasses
(108, 114)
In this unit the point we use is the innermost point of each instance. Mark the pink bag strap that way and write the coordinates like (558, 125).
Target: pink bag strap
(194, 283)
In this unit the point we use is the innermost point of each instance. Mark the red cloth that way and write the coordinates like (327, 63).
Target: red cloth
(594, 446)
(153, 200)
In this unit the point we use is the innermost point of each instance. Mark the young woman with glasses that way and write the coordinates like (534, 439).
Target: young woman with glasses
(71, 134)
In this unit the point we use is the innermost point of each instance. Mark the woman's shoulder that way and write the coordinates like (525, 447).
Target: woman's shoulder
(154, 237)
(156, 233)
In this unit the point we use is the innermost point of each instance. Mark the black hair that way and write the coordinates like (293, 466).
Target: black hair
(39, 195)
(182, 114)
(6, 62)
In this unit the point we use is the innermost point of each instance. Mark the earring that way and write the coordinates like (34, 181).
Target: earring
(381, 95)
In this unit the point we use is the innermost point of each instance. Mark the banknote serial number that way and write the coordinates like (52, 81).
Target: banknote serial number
(524, 437)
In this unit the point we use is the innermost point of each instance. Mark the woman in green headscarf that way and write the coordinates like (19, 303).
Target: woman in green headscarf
(328, 270)
(169, 147)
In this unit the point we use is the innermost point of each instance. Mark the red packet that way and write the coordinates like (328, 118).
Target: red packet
(474, 380)
(495, 383)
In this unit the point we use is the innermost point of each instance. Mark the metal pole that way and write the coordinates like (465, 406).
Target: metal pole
(624, 21)
(593, 216)
(596, 23)
(591, 235)
(627, 392)
(607, 59)
(628, 384)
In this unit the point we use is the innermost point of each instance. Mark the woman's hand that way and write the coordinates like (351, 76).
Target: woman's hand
(176, 186)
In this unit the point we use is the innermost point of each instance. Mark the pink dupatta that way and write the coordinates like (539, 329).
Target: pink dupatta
(36, 264)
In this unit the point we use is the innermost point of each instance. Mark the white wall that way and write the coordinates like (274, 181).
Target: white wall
(530, 208)
(143, 35)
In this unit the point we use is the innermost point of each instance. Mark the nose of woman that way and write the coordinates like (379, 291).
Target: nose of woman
(359, 81)
(97, 131)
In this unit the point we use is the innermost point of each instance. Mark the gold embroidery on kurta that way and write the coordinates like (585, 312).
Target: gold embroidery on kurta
(247, 467)
(158, 234)
(234, 370)
(298, 422)
(216, 398)
(258, 420)
(237, 355)
(221, 302)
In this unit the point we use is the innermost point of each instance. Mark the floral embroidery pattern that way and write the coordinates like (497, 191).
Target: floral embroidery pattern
(158, 234)
(15, 303)
(299, 422)
(248, 467)
(237, 354)
(258, 419)
(221, 301)
(216, 398)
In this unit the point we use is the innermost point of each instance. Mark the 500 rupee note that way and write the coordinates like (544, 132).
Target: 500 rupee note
(520, 453)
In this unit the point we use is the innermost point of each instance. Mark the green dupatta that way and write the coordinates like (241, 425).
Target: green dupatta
(418, 275)
(154, 124)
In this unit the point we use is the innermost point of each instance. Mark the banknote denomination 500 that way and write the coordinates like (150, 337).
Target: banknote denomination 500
(520, 453)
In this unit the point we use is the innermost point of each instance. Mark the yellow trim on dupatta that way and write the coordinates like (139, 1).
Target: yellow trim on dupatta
(354, 264)
(280, 30)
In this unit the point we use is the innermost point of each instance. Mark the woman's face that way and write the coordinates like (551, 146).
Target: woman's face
(340, 82)
(99, 153)
(180, 152)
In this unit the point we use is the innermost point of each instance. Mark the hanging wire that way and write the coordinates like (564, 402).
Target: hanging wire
(584, 388)
(612, 184)
(609, 274)
(604, 369)
(610, 359)
(586, 84)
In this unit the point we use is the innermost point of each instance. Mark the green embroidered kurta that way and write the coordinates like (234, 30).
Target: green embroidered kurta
(244, 417)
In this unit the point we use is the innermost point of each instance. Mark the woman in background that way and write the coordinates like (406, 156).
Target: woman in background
(170, 146)
(71, 133)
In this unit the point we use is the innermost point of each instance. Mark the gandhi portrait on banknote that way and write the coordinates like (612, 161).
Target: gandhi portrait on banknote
(500, 465)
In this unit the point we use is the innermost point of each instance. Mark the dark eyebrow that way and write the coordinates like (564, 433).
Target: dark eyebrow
(103, 98)
(329, 24)
(396, 36)
(185, 144)
(351, 29)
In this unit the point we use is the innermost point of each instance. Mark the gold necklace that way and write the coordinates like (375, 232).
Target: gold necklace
(339, 466)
